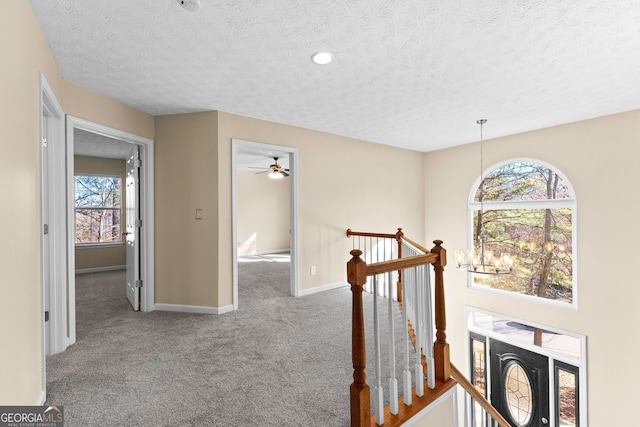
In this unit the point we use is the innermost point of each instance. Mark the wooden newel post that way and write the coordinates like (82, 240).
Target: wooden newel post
(359, 391)
(441, 347)
(399, 236)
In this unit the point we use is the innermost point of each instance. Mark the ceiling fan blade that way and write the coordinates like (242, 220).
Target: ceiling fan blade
(284, 173)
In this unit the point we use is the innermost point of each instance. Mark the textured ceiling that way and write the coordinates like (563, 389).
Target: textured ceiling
(91, 144)
(410, 73)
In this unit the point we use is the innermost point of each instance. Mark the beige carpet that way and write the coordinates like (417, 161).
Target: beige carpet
(277, 361)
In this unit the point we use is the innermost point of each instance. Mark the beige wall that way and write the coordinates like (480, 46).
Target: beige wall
(193, 170)
(263, 215)
(89, 105)
(101, 256)
(24, 54)
(186, 249)
(343, 183)
(600, 158)
(442, 415)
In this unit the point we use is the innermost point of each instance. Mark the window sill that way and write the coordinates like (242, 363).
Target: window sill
(97, 245)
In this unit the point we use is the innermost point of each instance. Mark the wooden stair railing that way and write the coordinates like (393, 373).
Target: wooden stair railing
(447, 375)
(397, 237)
(357, 273)
(478, 397)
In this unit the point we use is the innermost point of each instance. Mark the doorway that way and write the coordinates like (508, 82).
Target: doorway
(53, 224)
(534, 375)
(103, 141)
(250, 155)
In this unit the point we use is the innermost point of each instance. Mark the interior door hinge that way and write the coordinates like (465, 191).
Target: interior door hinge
(137, 163)
(46, 229)
(44, 142)
(46, 316)
(138, 223)
(138, 283)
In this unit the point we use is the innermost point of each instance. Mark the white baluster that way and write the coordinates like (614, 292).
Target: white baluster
(407, 370)
(418, 367)
(377, 390)
(431, 375)
(393, 382)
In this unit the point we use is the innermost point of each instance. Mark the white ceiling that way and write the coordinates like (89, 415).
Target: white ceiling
(410, 73)
(91, 144)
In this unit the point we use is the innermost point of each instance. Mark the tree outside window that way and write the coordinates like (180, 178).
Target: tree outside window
(526, 210)
(98, 209)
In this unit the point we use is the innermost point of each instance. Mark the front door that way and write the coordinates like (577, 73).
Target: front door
(519, 385)
(133, 224)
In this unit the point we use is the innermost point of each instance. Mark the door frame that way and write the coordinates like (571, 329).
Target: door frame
(53, 269)
(293, 210)
(147, 296)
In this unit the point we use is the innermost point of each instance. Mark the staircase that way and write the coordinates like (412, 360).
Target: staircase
(397, 270)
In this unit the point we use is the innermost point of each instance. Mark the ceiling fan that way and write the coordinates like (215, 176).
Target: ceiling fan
(276, 170)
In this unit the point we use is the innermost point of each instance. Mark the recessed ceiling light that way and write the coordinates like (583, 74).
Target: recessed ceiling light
(322, 58)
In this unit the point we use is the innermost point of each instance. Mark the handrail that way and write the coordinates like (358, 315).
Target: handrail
(365, 234)
(401, 263)
(357, 272)
(477, 396)
(416, 245)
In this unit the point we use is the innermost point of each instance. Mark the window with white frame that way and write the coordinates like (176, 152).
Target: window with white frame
(525, 210)
(98, 209)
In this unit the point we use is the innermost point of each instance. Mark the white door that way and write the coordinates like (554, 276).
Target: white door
(46, 254)
(133, 224)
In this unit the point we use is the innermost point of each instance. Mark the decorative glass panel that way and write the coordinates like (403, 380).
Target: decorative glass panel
(518, 394)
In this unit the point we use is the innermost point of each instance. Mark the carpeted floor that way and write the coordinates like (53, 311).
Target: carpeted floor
(277, 361)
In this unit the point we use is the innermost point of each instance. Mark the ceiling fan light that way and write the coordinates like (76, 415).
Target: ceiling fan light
(275, 175)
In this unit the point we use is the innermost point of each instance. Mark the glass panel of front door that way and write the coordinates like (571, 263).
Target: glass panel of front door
(566, 394)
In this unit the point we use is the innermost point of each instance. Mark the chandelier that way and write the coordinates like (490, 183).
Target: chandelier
(478, 259)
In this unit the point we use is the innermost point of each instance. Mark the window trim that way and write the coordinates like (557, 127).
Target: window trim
(571, 203)
(575, 370)
(121, 209)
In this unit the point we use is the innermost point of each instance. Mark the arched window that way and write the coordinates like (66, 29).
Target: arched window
(523, 213)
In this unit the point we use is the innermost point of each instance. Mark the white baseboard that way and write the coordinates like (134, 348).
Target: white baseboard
(194, 308)
(101, 269)
(274, 251)
(303, 292)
